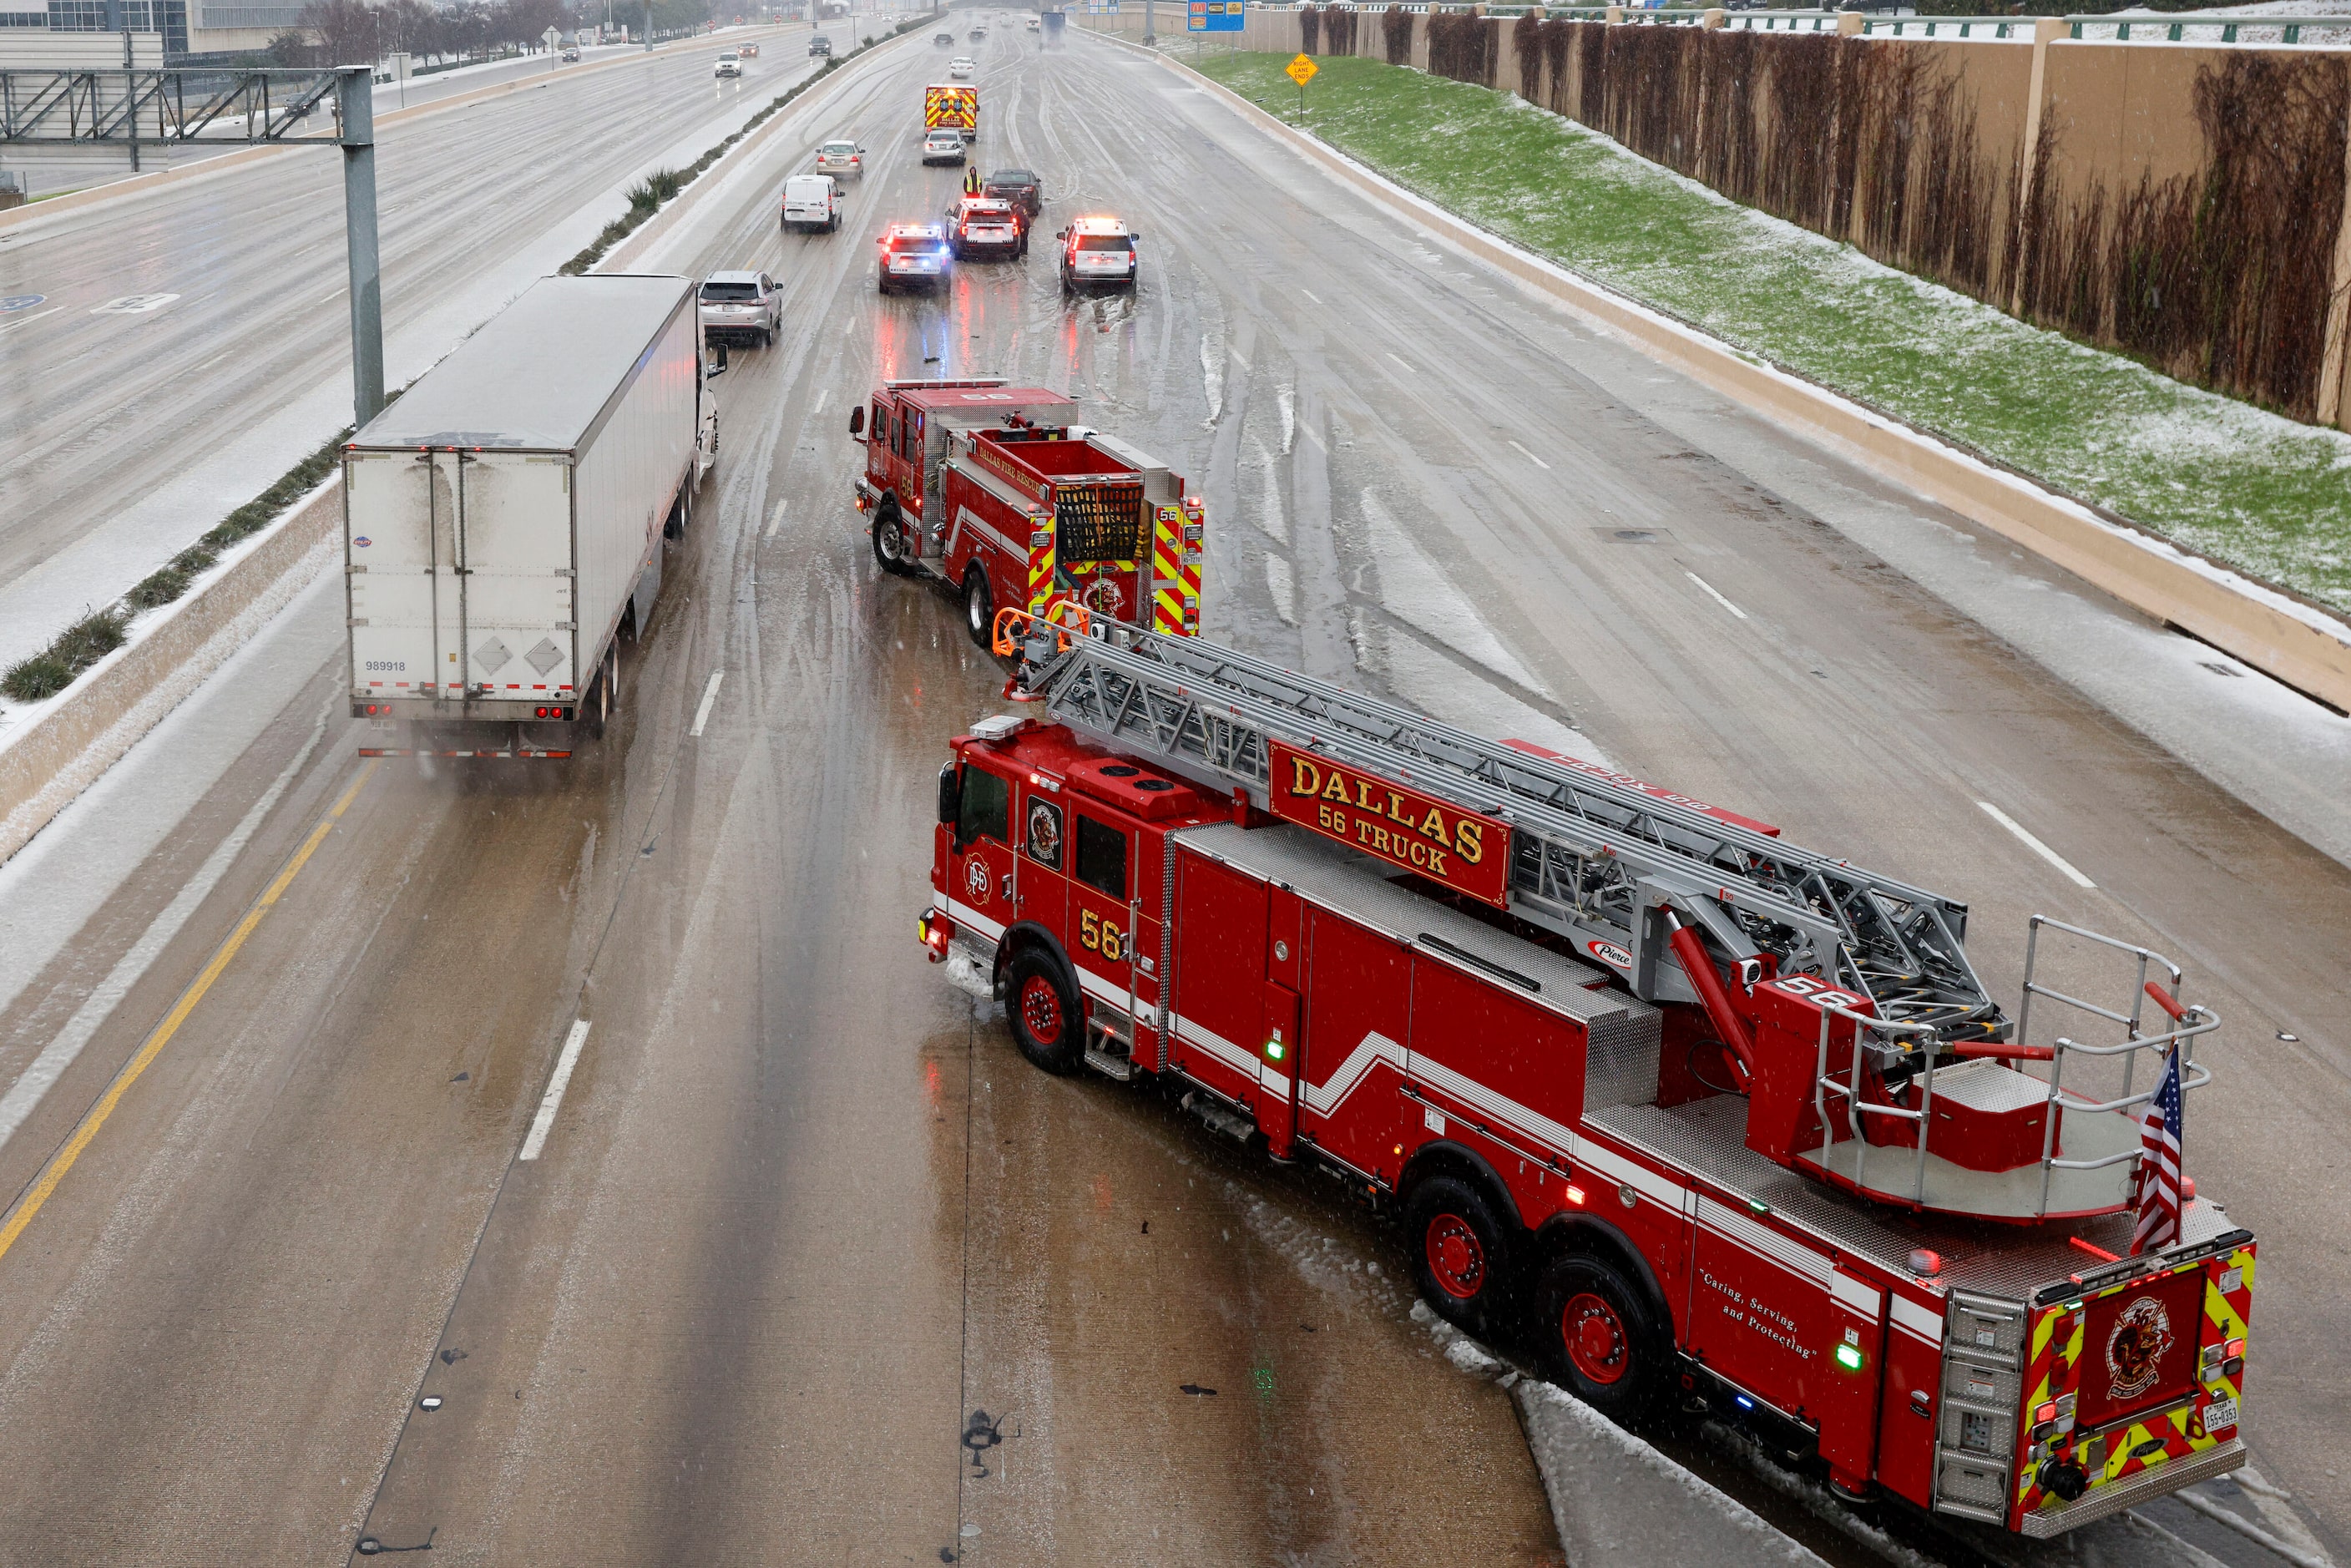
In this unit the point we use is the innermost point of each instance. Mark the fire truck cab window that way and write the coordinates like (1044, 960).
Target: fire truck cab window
(1101, 857)
(878, 431)
(985, 810)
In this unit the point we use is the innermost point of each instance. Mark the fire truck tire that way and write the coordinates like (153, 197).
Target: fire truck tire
(1046, 1023)
(890, 543)
(978, 606)
(1594, 1335)
(1463, 1253)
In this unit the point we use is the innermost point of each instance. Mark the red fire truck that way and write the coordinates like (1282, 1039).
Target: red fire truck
(1692, 1112)
(992, 489)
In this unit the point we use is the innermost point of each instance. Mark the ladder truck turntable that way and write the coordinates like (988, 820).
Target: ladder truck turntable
(1690, 1109)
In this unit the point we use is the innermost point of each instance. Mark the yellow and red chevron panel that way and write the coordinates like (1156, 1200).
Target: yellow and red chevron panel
(1176, 570)
(2088, 1354)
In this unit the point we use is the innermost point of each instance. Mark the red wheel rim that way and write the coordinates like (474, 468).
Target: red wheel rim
(1596, 1340)
(1040, 1010)
(1456, 1256)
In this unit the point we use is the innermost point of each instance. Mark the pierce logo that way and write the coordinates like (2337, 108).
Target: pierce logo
(974, 879)
(1610, 954)
(363, 541)
(2135, 1347)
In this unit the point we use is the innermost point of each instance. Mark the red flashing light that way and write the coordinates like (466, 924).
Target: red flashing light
(1574, 1195)
(1926, 1262)
(2047, 1412)
(2235, 1348)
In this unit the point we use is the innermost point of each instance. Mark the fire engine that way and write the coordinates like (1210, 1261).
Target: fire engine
(1693, 1113)
(952, 106)
(992, 489)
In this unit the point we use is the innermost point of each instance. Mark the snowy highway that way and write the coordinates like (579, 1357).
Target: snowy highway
(807, 1264)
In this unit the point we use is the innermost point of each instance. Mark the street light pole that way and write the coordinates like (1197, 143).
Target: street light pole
(1150, 34)
(355, 98)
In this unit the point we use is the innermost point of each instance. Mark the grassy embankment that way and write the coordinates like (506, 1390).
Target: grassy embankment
(2258, 492)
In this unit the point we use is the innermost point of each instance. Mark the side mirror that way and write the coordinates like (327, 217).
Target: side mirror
(1061, 234)
(716, 364)
(950, 795)
(857, 421)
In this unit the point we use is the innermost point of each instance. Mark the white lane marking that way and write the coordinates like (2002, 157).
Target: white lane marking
(776, 518)
(818, 407)
(2035, 845)
(1716, 594)
(132, 304)
(1523, 451)
(59, 1054)
(22, 320)
(1309, 294)
(709, 695)
(544, 1122)
(1407, 365)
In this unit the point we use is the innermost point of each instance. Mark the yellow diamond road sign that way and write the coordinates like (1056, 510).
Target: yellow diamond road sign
(1302, 71)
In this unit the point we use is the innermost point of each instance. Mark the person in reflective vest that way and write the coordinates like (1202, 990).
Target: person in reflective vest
(972, 183)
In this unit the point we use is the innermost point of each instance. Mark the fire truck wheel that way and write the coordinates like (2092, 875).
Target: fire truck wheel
(890, 542)
(1046, 1023)
(978, 605)
(1594, 1335)
(1462, 1253)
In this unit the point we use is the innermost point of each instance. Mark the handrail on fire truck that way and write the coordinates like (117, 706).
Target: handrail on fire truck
(1595, 856)
(1007, 640)
(1881, 1043)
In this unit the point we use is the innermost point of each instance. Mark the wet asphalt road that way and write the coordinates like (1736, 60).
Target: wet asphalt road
(813, 1269)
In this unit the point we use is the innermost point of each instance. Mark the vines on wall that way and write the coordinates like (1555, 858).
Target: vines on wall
(1396, 36)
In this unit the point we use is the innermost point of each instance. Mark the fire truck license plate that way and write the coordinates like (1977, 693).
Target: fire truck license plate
(2220, 1416)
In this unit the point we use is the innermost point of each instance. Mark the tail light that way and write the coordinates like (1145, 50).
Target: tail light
(935, 931)
(552, 712)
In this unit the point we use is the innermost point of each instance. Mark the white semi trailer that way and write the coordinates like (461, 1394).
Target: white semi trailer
(505, 517)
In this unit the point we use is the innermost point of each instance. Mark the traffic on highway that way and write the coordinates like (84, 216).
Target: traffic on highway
(1029, 834)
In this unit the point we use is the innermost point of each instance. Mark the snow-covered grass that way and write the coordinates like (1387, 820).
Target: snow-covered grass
(2258, 492)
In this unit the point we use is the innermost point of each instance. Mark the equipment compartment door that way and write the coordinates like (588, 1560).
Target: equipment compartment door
(395, 500)
(1277, 1113)
(1219, 976)
(1358, 1011)
(1759, 1312)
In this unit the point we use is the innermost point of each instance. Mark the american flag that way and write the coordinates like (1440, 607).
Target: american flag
(2159, 1164)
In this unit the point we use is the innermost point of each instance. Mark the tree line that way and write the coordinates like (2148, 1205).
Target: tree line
(351, 32)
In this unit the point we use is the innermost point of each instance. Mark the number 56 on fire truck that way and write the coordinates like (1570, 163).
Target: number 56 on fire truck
(1691, 1112)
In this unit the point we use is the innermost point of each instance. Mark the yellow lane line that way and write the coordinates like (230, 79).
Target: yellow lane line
(63, 1160)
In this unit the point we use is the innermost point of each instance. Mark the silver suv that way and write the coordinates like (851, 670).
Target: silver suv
(741, 305)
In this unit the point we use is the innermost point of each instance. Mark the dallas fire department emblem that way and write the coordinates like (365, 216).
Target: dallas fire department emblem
(2134, 1347)
(1104, 597)
(975, 878)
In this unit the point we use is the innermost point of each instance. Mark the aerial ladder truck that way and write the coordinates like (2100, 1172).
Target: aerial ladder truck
(1693, 1111)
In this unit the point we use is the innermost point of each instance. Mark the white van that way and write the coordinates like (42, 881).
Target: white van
(811, 202)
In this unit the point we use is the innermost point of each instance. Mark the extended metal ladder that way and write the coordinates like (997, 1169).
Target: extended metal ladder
(1593, 857)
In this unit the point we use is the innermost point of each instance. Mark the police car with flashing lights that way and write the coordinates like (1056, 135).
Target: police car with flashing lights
(1097, 250)
(914, 255)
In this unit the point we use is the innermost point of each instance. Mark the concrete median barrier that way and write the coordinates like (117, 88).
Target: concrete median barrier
(2299, 645)
(59, 748)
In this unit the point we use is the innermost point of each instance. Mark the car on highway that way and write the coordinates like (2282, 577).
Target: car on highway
(1018, 187)
(749, 51)
(811, 202)
(839, 158)
(729, 64)
(1097, 250)
(945, 41)
(976, 34)
(741, 305)
(961, 67)
(1033, 25)
(978, 226)
(821, 45)
(571, 54)
(914, 256)
(944, 145)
